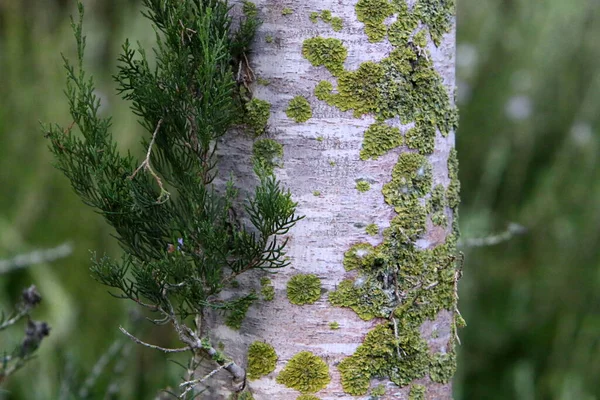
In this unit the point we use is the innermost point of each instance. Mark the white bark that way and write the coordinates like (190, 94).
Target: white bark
(337, 218)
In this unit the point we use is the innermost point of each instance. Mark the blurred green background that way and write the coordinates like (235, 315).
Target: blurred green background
(528, 88)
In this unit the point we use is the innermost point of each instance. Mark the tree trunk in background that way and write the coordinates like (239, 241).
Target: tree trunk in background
(349, 197)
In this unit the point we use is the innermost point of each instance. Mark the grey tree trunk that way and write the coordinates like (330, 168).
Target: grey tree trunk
(367, 307)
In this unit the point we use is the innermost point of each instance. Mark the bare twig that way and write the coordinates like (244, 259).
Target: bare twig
(147, 167)
(35, 257)
(163, 349)
(511, 231)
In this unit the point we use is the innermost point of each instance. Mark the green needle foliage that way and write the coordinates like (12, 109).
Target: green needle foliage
(180, 238)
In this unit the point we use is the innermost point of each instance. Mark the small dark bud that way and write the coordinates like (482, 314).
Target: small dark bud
(34, 333)
(31, 296)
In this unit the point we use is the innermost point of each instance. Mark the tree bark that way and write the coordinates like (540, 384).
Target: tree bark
(323, 169)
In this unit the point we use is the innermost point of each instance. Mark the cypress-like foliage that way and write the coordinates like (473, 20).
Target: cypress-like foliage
(181, 242)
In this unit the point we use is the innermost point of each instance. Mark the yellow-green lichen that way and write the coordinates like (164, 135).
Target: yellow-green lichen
(372, 229)
(323, 90)
(326, 16)
(319, 138)
(437, 206)
(442, 367)
(417, 392)
(237, 313)
(267, 290)
(364, 296)
(316, 193)
(453, 192)
(314, 17)
(378, 391)
(267, 154)
(328, 52)
(299, 109)
(411, 178)
(287, 11)
(397, 280)
(403, 85)
(438, 15)
(337, 24)
(402, 358)
(357, 256)
(332, 163)
(245, 395)
(257, 115)
(379, 139)
(334, 325)
(249, 9)
(372, 13)
(261, 360)
(400, 31)
(307, 397)
(262, 81)
(304, 289)
(363, 186)
(269, 39)
(305, 372)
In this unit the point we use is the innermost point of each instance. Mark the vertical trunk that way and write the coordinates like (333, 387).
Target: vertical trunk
(374, 172)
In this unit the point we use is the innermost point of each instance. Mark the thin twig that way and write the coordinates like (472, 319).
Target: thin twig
(35, 257)
(163, 349)
(146, 163)
(190, 384)
(511, 231)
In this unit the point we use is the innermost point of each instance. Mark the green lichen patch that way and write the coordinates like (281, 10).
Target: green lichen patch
(364, 296)
(263, 81)
(305, 372)
(337, 24)
(299, 109)
(438, 15)
(379, 139)
(372, 229)
(249, 9)
(261, 360)
(442, 367)
(323, 90)
(269, 39)
(326, 16)
(411, 179)
(437, 206)
(372, 13)
(317, 193)
(378, 391)
(400, 31)
(257, 115)
(453, 192)
(363, 186)
(402, 358)
(319, 139)
(334, 325)
(417, 392)
(238, 310)
(267, 154)
(304, 289)
(267, 290)
(287, 11)
(357, 256)
(307, 397)
(245, 395)
(314, 17)
(328, 52)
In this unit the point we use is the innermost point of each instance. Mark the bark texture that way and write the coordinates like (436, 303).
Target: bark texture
(322, 168)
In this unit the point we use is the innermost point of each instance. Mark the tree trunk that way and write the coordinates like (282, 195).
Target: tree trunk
(374, 173)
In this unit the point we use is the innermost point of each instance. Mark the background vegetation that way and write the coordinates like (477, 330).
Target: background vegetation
(529, 90)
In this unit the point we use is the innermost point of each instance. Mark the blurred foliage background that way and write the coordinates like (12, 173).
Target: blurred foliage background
(528, 88)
